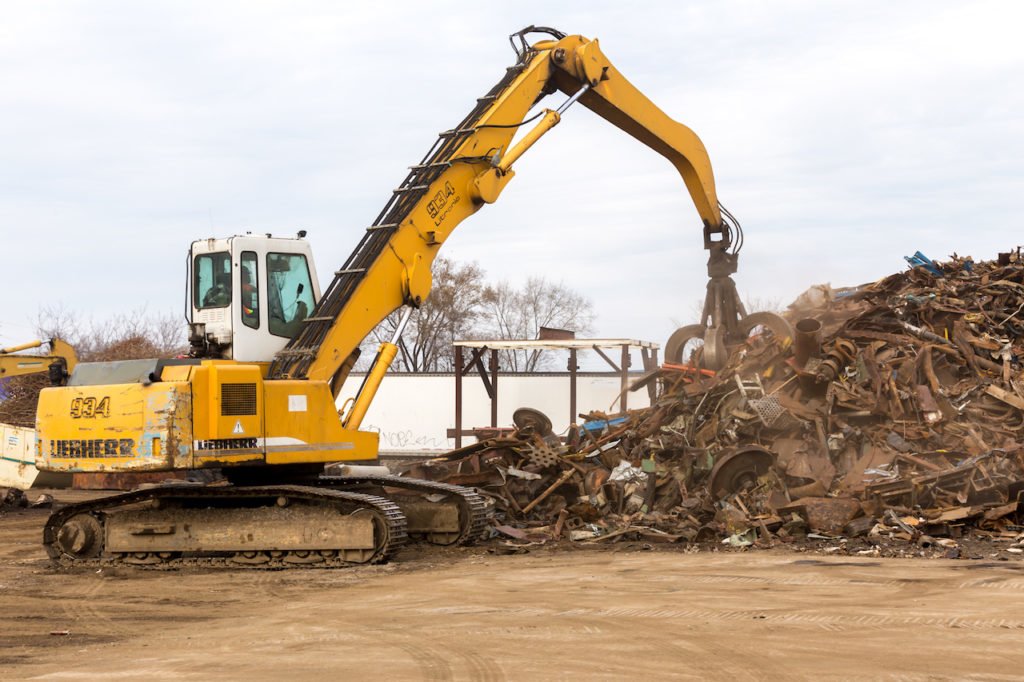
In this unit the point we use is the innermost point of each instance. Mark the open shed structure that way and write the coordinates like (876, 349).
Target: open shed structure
(488, 371)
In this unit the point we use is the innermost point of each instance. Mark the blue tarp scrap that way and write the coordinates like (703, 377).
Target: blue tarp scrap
(919, 260)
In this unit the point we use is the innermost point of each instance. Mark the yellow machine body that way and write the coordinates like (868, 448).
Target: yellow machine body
(216, 413)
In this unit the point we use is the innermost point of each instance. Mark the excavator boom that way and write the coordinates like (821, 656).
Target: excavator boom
(467, 167)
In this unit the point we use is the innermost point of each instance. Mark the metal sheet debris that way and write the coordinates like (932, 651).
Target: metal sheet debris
(898, 412)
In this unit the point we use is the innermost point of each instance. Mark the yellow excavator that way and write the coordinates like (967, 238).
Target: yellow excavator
(270, 354)
(58, 362)
(17, 438)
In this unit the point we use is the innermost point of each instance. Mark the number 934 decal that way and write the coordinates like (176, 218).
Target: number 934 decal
(88, 408)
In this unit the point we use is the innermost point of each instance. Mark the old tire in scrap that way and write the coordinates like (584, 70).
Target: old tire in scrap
(738, 469)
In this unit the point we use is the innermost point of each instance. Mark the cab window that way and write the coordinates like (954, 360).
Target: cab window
(211, 285)
(249, 276)
(289, 293)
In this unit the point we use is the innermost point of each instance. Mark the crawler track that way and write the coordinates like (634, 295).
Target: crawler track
(471, 506)
(76, 535)
(156, 528)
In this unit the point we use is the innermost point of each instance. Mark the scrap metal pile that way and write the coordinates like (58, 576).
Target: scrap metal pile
(895, 413)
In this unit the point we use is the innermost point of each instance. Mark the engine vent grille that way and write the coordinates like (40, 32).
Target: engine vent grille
(237, 399)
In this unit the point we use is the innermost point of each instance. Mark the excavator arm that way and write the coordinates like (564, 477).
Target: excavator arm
(469, 166)
(59, 362)
(579, 68)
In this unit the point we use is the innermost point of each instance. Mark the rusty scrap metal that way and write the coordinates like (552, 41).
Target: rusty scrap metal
(739, 469)
(899, 410)
(808, 340)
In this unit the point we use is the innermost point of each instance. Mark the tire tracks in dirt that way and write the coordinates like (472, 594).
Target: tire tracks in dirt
(825, 621)
(82, 607)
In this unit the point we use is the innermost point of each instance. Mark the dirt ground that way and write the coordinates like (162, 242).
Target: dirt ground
(469, 614)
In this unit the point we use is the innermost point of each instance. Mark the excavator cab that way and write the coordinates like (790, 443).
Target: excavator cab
(248, 295)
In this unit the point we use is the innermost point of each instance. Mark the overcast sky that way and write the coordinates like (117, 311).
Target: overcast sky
(844, 135)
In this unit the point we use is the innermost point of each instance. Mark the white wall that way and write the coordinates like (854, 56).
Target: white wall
(413, 412)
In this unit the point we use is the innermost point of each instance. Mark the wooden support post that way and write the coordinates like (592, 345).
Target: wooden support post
(572, 385)
(494, 388)
(615, 368)
(624, 381)
(458, 397)
(477, 362)
(655, 363)
(650, 360)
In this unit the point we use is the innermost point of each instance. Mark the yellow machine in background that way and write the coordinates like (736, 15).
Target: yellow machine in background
(271, 354)
(17, 440)
(59, 362)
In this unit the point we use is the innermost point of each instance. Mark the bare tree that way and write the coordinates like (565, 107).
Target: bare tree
(452, 311)
(462, 306)
(125, 336)
(132, 336)
(18, 398)
(512, 313)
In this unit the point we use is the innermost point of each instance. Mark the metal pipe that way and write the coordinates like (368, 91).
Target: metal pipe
(807, 343)
(360, 470)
